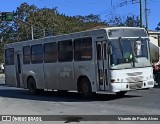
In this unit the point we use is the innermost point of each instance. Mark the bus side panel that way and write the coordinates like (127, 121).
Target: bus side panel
(26, 74)
(66, 76)
(10, 75)
(36, 71)
(86, 68)
(51, 76)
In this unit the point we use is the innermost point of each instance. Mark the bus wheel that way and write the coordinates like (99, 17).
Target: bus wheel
(62, 91)
(85, 88)
(158, 78)
(32, 86)
(121, 93)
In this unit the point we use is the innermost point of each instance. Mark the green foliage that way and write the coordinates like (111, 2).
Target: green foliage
(116, 21)
(130, 21)
(158, 27)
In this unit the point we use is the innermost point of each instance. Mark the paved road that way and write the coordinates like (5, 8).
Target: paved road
(18, 101)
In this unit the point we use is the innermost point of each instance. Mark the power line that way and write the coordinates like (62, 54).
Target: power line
(126, 2)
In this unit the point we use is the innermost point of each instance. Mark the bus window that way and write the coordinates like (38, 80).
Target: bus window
(9, 56)
(37, 53)
(83, 49)
(65, 50)
(50, 52)
(26, 55)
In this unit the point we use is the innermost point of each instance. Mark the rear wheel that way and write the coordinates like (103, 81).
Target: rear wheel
(85, 88)
(32, 87)
(121, 93)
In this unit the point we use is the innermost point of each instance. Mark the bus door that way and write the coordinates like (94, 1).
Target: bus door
(102, 63)
(18, 65)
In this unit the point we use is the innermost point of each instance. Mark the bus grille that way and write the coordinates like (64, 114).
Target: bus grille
(135, 79)
(134, 74)
(137, 85)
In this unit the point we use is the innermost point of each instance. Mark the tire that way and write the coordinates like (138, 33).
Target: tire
(158, 78)
(62, 91)
(121, 93)
(85, 88)
(32, 86)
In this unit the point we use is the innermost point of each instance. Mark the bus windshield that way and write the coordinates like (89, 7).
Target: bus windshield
(129, 53)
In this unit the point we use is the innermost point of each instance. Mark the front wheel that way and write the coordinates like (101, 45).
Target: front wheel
(158, 78)
(121, 93)
(85, 88)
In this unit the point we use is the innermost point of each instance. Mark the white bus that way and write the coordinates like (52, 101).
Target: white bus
(115, 59)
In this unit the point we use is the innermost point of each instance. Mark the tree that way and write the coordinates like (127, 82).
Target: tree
(130, 21)
(21, 25)
(158, 27)
(115, 21)
(89, 18)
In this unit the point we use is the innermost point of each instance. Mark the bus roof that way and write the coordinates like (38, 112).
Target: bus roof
(77, 34)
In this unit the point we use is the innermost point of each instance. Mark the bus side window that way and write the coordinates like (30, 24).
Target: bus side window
(65, 51)
(50, 52)
(37, 53)
(83, 49)
(26, 55)
(9, 56)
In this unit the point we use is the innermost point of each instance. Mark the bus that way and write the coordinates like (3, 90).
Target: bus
(112, 60)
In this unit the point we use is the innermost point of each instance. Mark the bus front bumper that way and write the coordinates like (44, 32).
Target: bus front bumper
(123, 86)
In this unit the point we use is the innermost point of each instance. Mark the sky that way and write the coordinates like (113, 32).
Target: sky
(105, 8)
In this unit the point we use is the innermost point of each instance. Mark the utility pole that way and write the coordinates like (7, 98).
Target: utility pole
(44, 33)
(146, 14)
(111, 2)
(32, 32)
(141, 20)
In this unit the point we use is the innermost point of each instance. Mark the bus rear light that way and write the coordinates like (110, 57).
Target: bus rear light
(113, 80)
